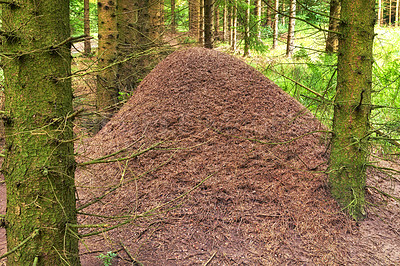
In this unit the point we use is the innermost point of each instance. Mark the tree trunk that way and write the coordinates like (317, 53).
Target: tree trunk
(201, 24)
(207, 24)
(292, 23)
(39, 164)
(257, 13)
(247, 29)
(173, 17)
(332, 41)
(229, 21)
(216, 20)
(276, 22)
(156, 22)
(234, 25)
(396, 23)
(107, 90)
(194, 18)
(379, 12)
(86, 27)
(350, 148)
(390, 12)
(224, 22)
(269, 12)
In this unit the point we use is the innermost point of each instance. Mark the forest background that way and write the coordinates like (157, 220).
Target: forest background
(285, 40)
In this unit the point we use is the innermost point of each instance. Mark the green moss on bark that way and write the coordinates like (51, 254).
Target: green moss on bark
(39, 165)
(350, 144)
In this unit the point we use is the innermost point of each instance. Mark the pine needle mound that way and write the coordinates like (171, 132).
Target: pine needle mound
(204, 116)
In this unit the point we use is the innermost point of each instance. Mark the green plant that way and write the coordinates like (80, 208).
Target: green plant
(107, 259)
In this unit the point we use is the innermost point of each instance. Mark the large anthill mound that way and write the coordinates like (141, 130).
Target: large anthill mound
(206, 114)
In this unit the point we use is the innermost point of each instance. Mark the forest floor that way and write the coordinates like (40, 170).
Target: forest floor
(230, 171)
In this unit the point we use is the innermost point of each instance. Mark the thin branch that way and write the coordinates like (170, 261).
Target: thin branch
(384, 193)
(97, 199)
(303, 86)
(301, 19)
(33, 235)
(97, 161)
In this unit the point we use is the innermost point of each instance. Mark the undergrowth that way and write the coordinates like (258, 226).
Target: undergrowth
(310, 77)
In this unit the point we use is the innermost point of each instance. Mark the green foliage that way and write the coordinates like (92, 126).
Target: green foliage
(181, 14)
(107, 259)
(76, 17)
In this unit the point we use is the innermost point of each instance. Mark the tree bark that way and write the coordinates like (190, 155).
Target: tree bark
(350, 145)
(86, 27)
(107, 90)
(208, 24)
(234, 25)
(276, 23)
(194, 18)
(39, 164)
(257, 13)
(396, 23)
(216, 20)
(201, 24)
(173, 17)
(246, 51)
(379, 12)
(292, 23)
(332, 41)
(224, 22)
(156, 22)
(229, 22)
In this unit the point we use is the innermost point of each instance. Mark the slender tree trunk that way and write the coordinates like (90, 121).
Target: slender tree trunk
(156, 22)
(173, 17)
(269, 12)
(350, 145)
(216, 20)
(201, 29)
(194, 17)
(224, 22)
(207, 24)
(86, 27)
(379, 13)
(332, 41)
(396, 23)
(292, 23)
(39, 164)
(257, 13)
(247, 29)
(107, 90)
(234, 26)
(276, 23)
(283, 7)
(229, 22)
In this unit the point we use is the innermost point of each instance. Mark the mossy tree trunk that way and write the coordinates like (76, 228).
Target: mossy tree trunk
(107, 90)
(39, 164)
(350, 149)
